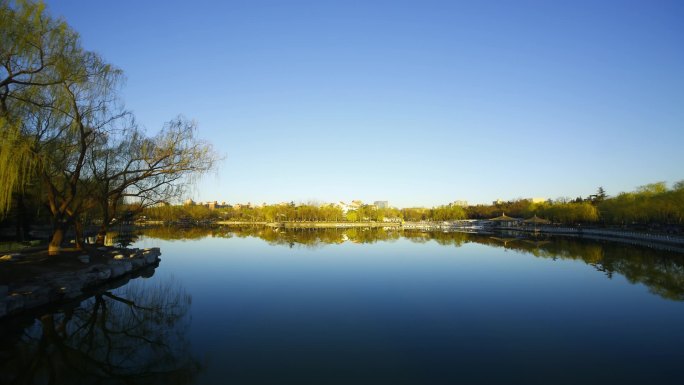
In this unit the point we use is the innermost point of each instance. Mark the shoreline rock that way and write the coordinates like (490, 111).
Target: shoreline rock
(56, 287)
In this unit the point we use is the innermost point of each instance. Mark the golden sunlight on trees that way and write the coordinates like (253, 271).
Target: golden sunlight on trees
(64, 132)
(147, 171)
(37, 56)
(652, 203)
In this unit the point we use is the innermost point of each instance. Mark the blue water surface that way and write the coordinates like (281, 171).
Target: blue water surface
(411, 312)
(365, 306)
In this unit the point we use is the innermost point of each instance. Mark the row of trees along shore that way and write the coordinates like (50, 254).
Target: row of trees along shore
(649, 204)
(66, 142)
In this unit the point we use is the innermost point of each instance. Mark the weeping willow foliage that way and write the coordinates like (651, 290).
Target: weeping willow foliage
(62, 127)
(37, 53)
(18, 164)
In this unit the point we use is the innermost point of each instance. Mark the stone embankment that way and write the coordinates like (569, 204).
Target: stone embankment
(57, 287)
(662, 241)
(607, 233)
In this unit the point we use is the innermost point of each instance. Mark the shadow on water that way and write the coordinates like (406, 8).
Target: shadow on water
(133, 335)
(661, 271)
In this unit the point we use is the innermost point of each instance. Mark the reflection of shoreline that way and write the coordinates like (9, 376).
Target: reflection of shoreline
(645, 239)
(675, 243)
(668, 243)
(653, 244)
(134, 335)
(661, 271)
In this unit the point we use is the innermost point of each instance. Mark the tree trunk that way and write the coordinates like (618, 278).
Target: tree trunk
(58, 232)
(101, 235)
(78, 230)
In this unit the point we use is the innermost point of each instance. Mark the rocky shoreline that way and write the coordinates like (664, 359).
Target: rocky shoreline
(63, 286)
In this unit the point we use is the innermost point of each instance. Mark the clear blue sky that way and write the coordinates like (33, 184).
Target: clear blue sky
(414, 102)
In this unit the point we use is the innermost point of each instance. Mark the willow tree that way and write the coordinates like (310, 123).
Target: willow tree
(37, 53)
(89, 108)
(144, 171)
(59, 123)
(55, 99)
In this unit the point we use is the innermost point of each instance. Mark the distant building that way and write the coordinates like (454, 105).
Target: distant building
(461, 203)
(538, 200)
(354, 205)
(381, 204)
(239, 206)
(344, 206)
(189, 202)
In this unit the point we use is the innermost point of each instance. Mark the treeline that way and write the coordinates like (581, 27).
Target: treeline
(69, 151)
(304, 213)
(654, 203)
(555, 211)
(650, 204)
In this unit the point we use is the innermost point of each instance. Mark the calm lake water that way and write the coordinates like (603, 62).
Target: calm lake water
(259, 306)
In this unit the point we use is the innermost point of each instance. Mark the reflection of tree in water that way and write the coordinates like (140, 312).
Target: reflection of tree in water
(441, 237)
(171, 233)
(125, 237)
(661, 271)
(311, 237)
(290, 237)
(136, 336)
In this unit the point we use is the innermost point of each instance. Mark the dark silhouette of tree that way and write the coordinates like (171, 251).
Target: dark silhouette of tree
(134, 335)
